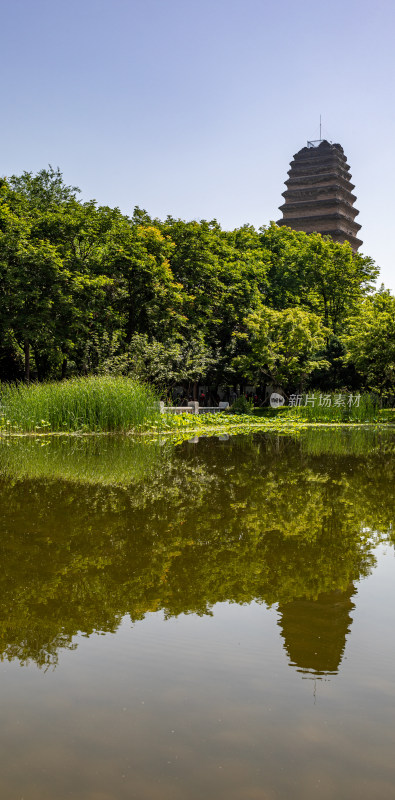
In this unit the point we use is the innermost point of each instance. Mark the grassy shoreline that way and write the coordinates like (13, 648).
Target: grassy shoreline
(105, 405)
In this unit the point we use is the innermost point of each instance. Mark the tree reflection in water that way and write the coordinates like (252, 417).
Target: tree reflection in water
(139, 528)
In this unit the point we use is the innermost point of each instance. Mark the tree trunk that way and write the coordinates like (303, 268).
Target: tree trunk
(26, 346)
(64, 368)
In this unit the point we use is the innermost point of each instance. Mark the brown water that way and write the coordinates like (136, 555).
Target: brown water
(214, 620)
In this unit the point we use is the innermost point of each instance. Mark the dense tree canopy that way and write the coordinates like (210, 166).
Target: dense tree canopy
(85, 288)
(370, 342)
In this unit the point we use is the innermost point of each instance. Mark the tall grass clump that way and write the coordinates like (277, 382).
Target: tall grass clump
(92, 404)
(366, 411)
(341, 409)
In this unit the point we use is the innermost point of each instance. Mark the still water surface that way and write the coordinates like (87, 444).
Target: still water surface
(213, 620)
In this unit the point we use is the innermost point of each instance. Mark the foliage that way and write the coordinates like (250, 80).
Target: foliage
(320, 274)
(281, 346)
(242, 406)
(336, 408)
(52, 292)
(88, 290)
(370, 342)
(104, 403)
(45, 189)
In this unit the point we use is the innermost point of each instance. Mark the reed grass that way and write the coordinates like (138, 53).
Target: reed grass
(92, 404)
(367, 411)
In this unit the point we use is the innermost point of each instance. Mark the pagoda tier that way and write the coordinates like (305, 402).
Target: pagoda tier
(319, 198)
(318, 205)
(296, 194)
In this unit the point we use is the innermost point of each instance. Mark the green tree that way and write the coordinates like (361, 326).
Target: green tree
(370, 342)
(281, 346)
(46, 188)
(149, 299)
(317, 273)
(49, 275)
(224, 275)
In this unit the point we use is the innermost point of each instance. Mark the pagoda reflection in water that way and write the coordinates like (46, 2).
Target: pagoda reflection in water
(315, 631)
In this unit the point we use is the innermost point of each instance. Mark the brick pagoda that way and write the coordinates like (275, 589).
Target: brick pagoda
(318, 197)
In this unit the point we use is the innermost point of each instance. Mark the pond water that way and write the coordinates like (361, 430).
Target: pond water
(209, 620)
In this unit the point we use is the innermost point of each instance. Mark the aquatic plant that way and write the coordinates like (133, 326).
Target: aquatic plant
(334, 407)
(92, 404)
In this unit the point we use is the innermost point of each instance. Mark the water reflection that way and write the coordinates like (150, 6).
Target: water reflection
(181, 529)
(315, 631)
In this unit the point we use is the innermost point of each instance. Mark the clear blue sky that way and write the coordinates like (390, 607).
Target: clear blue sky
(194, 108)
